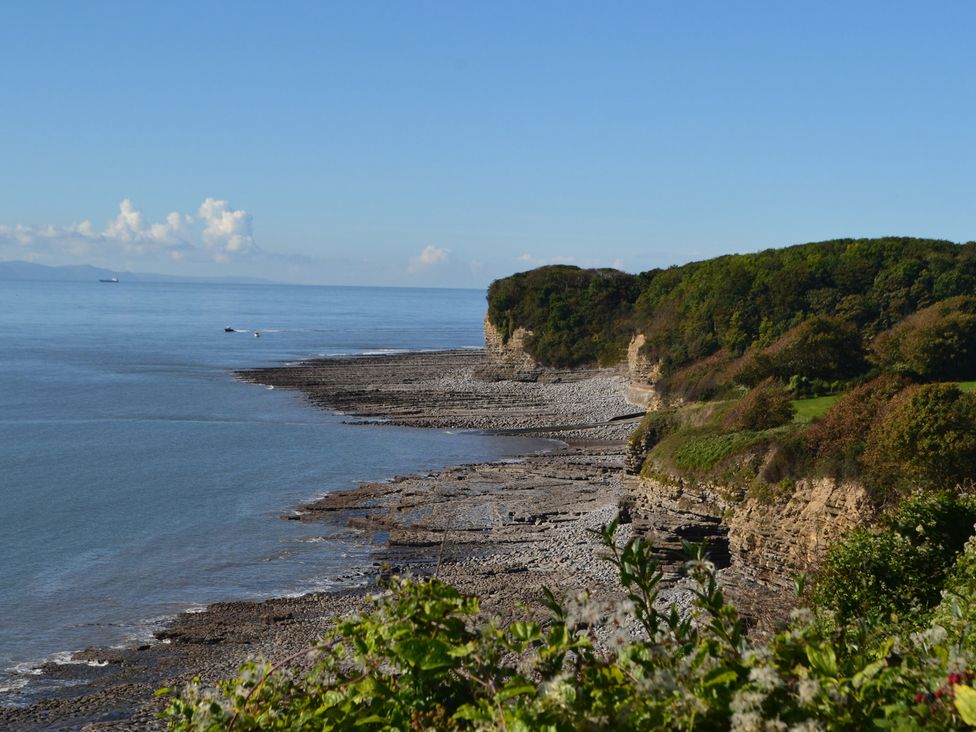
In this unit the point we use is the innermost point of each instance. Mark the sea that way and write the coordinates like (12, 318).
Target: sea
(139, 478)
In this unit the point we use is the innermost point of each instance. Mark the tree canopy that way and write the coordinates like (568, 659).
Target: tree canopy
(732, 303)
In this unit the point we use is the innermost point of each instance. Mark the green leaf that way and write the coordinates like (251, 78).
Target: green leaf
(822, 659)
(966, 703)
(525, 631)
(424, 653)
(868, 672)
(369, 720)
(463, 650)
(510, 691)
(719, 676)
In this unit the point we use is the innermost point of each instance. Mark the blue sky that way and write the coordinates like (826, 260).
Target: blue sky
(450, 143)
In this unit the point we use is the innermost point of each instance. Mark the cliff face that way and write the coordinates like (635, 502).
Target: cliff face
(508, 360)
(643, 374)
(761, 544)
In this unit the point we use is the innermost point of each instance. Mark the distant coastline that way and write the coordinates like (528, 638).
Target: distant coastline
(19, 271)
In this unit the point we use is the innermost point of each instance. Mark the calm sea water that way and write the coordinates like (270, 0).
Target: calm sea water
(138, 478)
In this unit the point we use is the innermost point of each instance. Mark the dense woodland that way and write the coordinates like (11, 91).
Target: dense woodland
(729, 306)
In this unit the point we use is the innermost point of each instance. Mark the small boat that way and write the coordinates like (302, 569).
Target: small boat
(228, 329)
(257, 334)
(113, 280)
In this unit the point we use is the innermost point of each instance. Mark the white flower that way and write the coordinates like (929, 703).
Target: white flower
(807, 725)
(802, 615)
(807, 690)
(765, 677)
(756, 655)
(936, 635)
(957, 665)
(747, 722)
(746, 701)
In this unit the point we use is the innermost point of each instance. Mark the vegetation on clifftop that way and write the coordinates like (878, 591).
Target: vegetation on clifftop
(733, 305)
(576, 316)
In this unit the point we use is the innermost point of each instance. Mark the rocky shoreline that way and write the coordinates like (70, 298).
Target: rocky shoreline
(501, 530)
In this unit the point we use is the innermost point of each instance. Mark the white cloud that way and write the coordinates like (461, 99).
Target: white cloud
(225, 229)
(220, 234)
(428, 257)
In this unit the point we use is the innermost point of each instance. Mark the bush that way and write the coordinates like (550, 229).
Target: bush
(766, 406)
(957, 611)
(820, 348)
(901, 567)
(738, 303)
(937, 343)
(421, 661)
(702, 380)
(926, 437)
(839, 438)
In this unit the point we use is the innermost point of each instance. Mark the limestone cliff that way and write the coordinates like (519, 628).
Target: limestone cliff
(508, 359)
(760, 543)
(643, 374)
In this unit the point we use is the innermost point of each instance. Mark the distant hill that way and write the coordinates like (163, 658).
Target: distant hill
(31, 272)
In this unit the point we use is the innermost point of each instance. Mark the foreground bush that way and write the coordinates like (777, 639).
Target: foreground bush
(422, 661)
(898, 570)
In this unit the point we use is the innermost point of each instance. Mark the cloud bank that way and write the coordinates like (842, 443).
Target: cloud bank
(218, 234)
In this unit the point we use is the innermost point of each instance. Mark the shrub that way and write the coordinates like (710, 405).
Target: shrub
(766, 406)
(839, 438)
(938, 342)
(704, 379)
(737, 302)
(821, 348)
(957, 611)
(901, 567)
(421, 661)
(653, 427)
(926, 437)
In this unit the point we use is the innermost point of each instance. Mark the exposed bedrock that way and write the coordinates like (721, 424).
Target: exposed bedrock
(760, 545)
(643, 374)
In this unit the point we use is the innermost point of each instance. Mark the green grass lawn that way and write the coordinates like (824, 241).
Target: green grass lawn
(809, 409)
(967, 385)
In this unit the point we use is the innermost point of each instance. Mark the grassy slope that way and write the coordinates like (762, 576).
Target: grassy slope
(809, 409)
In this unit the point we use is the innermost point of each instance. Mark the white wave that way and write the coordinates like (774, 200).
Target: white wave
(28, 668)
(65, 658)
